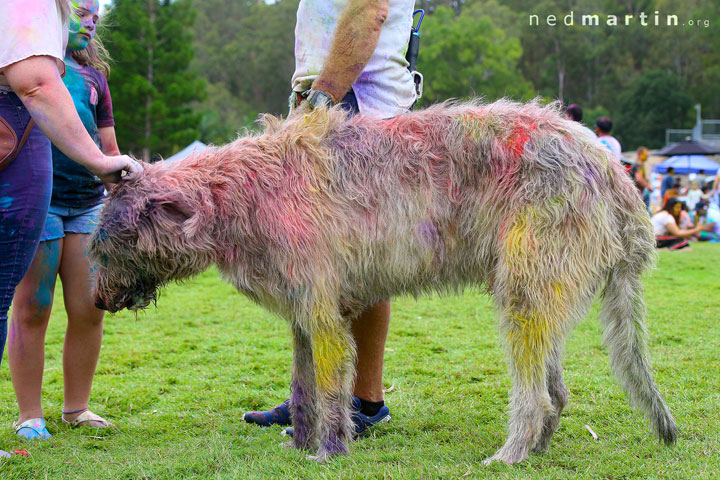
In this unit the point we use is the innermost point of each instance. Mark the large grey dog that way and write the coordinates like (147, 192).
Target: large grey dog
(322, 215)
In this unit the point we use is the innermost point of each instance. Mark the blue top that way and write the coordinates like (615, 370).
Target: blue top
(73, 185)
(667, 184)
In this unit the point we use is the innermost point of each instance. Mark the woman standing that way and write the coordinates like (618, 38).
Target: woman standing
(32, 48)
(75, 208)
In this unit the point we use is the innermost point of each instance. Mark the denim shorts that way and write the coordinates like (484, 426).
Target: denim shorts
(62, 220)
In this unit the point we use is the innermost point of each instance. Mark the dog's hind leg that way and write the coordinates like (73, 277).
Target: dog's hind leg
(333, 364)
(558, 396)
(529, 344)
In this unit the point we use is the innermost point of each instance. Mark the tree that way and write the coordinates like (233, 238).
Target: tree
(245, 50)
(153, 89)
(468, 55)
(655, 101)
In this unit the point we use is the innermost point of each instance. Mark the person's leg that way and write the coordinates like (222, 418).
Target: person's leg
(25, 187)
(370, 331)
(83, 337)
(671, 243)
(31, 313)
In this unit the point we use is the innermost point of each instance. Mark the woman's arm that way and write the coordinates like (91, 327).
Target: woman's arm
(673, 230)
(108, 140)
(37, 82)
(641, 180)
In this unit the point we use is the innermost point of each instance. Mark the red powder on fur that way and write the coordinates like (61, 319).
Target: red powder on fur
(515, 143)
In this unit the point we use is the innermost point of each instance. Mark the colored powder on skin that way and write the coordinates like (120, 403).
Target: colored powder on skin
(333, 445)
(519, 240)
(329, 349)
(5, 202)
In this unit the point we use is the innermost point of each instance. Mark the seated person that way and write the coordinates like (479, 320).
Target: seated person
(685, 220)
(665, 224)
(710, 234)
(693, 196)
(674, 191)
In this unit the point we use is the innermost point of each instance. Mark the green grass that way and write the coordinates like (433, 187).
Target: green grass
(177, 379)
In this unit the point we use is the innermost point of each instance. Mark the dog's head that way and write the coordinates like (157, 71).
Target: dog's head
(147, 237)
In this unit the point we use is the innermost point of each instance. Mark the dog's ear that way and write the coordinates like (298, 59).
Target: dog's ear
(180, 210)
(176, 211)
(173, 206)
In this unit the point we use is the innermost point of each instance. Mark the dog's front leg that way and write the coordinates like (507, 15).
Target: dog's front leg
(303, 409)
(333, 363)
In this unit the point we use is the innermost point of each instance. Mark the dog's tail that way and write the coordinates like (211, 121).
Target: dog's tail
(623, 321)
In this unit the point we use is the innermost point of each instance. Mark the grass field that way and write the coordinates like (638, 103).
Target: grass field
(176, 380)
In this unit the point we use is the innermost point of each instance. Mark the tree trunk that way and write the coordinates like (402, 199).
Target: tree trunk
(560, 64)
(149, 98)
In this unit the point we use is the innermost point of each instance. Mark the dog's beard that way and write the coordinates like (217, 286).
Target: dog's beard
(133, 294)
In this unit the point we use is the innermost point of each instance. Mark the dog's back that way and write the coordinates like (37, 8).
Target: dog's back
(457, 194)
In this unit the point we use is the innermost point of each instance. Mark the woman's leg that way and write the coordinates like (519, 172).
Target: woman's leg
(85, 325)
(31, 313)
(25, 187)
(671, 243)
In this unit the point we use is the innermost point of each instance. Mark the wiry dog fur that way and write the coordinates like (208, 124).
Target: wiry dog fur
(322, 215)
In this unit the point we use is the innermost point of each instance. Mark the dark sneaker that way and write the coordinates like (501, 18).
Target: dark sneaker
(361, 422)
(279, 415)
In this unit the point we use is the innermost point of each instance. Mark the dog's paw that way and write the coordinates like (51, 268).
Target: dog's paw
(318, 458)
(542, 446)
(325, 455)
(506, 457)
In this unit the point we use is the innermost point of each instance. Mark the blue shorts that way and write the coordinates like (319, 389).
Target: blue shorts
(62, 220)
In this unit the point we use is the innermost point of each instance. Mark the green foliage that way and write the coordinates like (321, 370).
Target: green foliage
(224, 115)
(176, 380)
(467, 55)
(243, 50)
(654, 102)
(153, 88)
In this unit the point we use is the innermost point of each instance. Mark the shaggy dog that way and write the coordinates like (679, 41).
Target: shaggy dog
(322, 215)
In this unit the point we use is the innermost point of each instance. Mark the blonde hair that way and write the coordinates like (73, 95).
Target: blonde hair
(63, 7)
(94, 55)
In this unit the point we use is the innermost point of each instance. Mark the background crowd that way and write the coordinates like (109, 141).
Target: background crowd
(687, 212)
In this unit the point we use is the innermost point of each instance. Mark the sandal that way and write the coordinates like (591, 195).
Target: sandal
(86, 418)
(33, 429)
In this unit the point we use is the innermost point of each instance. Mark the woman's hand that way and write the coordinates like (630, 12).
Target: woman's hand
(111, 169)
